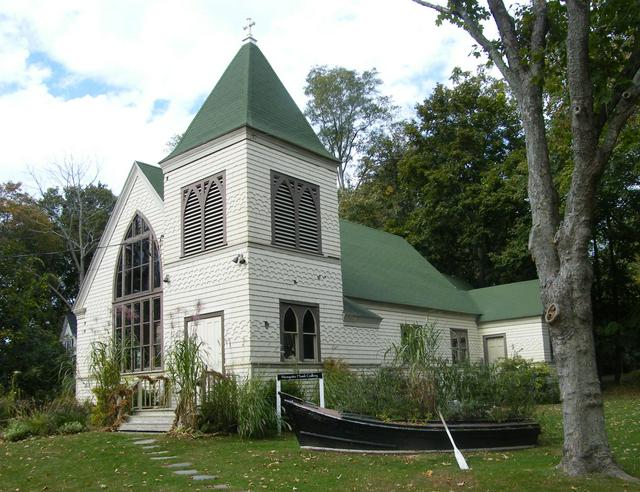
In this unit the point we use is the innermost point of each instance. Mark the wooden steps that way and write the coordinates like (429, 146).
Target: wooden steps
(152, 420)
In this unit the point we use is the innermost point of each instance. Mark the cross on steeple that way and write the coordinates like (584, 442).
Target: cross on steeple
(250, 24)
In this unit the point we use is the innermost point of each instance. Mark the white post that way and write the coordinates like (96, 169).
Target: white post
(321, 388)
(278, 405)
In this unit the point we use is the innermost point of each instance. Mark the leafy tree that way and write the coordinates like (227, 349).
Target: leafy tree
(78, 210)
(346, 107)
(615, 244)
(452, 183)
(29, 317)
(585, 58)
(464, 170)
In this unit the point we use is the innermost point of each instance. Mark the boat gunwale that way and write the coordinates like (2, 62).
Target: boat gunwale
(459, 426)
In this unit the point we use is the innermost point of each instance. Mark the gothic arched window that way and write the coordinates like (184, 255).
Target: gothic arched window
(299, 331)
(138, 298)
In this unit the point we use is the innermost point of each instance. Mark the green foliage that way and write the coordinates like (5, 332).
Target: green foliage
(71, 428)
(256, 412)
(347, 108)
(17, 430)
(186, 368)
(106, 362)
(46, 419)
(219, 408)
(453, 182)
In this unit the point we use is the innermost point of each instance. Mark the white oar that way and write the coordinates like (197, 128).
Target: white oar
(459, 458)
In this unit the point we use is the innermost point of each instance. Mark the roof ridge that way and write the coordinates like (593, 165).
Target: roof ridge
(505, 285)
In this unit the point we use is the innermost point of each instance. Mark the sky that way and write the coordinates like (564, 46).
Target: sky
(110, 82)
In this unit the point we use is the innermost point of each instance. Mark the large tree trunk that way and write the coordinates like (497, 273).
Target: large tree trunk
(586, 449)
(560, 253)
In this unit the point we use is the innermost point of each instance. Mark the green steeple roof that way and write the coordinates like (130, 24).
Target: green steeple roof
(249, 93)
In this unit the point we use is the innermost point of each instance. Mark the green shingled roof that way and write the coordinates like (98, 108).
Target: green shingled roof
(381, 267)
(154, 175)
(508, 301)
(249, 93)
(352, 308)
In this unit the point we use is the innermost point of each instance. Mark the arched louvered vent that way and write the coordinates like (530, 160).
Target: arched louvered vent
(308, 221)
(192, 221)
(295, 212)
(284, 214)
(203, 217)
(214, 214)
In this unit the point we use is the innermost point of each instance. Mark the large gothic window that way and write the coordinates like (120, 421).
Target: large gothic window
(138, 298)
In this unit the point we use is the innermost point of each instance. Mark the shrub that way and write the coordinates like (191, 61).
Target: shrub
(106, 361)
(547, 386)
(41, 423)
(186, 367)
(17, 430)
(219, 409)
(7, 409)
(71, 428)
(256, 415)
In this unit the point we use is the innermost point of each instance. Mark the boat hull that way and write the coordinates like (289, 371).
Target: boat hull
(317, 428)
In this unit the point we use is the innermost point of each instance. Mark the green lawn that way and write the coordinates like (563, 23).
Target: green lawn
(99, 461)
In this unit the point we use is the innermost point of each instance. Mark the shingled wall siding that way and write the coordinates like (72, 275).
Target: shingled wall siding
(393, 316)
(526, 337)
(278, 273)
(265, 155)
(96, 322)
(209, 281)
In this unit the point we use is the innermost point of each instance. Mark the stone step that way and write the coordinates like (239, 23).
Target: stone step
(144, 428)
(152, 420)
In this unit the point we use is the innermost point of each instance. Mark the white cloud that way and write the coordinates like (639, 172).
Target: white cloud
(144, 51)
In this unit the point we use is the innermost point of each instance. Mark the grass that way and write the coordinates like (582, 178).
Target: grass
(99, 461)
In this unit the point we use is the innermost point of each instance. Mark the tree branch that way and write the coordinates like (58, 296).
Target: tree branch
(627, 105)
(506, 28)
(475, 30)
(538, 37)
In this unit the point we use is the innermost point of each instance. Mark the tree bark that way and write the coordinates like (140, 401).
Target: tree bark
(560, 247)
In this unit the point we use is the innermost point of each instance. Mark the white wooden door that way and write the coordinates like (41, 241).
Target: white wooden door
(210, 333)
(495, 349)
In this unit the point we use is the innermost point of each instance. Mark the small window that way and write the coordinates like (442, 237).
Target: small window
(203, 215)
(459, 345)
(299, 332)
(295, 213)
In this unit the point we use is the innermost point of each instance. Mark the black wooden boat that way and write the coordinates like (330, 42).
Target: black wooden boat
(325, 429)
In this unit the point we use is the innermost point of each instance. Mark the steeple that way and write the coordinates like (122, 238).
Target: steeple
(249, 93)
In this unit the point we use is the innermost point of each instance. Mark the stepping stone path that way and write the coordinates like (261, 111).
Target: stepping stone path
(144, 441)
(177, 465)
(204, 477)
(192, 473)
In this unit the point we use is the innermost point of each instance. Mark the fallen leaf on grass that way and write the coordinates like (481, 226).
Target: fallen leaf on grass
(428, 473)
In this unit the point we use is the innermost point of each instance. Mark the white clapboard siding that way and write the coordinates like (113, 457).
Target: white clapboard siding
(231, 159)
(526, 337)
(209, 281)
(277, 274)
(394, 316)
(263, 157)
(95, 322)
